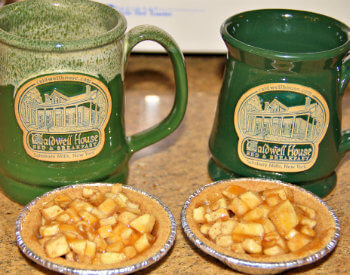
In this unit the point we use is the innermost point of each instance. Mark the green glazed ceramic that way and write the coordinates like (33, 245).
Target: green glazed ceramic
(279, 110)
(62, 67)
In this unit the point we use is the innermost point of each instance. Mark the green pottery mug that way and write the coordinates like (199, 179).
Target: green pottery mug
(279, 110)
(62, 66)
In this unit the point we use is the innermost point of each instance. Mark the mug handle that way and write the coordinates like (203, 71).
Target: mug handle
(344, 80)
(164, 128)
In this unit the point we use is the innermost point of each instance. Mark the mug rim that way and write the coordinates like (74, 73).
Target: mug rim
(104, 38)
(275, 54)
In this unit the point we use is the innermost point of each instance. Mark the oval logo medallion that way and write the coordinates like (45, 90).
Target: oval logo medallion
(63, 116)
(280, 127)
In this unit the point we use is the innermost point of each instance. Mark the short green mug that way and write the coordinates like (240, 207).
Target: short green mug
(279, 110)
(62, 67)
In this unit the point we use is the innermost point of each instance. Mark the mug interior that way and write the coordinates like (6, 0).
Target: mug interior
(288, 31)
(64, 21)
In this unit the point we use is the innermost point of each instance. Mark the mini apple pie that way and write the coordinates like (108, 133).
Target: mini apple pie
(99, 228)
(96, 226)
(266, 222)
(260, 226)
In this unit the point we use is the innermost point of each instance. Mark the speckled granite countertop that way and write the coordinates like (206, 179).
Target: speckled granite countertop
(173, 168)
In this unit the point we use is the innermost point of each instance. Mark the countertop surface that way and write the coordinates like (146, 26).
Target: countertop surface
(175, 167)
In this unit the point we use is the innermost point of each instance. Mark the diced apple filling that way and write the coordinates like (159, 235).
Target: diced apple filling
(97, 228)
(265, 222)
(57, 246)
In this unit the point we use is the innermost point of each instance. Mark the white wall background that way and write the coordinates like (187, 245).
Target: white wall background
(195, 24)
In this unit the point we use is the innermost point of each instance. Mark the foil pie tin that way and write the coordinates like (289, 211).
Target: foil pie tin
(250, 266)
(65, 269)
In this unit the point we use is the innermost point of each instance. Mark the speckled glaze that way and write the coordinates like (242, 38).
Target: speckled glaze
(68, 40)
(280, 65)
(40, 37)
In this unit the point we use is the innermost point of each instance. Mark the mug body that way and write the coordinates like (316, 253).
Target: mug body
(279, 110)
(61, 90)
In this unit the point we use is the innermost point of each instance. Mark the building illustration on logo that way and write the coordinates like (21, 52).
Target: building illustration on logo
(60, 113)
(276, 122)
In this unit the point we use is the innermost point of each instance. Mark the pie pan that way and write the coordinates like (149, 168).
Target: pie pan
(327, 229)
(29, 219)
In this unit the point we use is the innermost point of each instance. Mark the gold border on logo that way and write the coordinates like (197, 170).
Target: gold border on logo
(63, 156)
(275, 165)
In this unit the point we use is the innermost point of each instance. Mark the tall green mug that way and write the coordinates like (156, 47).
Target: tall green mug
(62, 66)
(279, 110)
